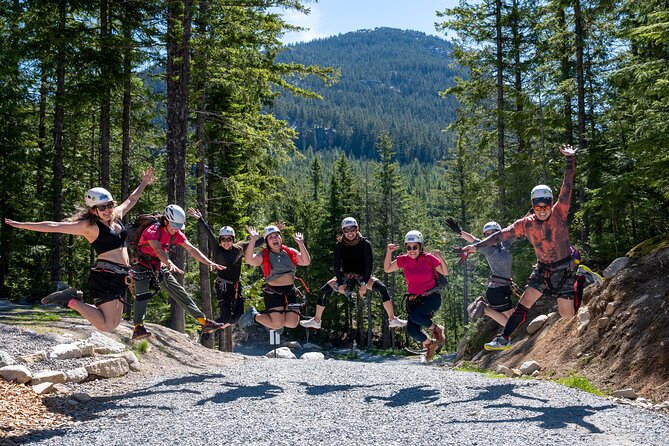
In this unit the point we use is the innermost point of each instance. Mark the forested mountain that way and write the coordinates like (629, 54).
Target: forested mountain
(390, 80)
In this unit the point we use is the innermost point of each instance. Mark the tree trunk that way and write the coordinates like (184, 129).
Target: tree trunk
(500, 111)
(580, 93)
(518, 75)
(127, 107)
(565, 75)
(105, 120)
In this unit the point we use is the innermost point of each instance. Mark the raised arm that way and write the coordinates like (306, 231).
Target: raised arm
(468, 237)
(131, 201)
(81, 227)
(390, 265)
(249, 256)
(303, 258)
(198, 216)
(564, 199)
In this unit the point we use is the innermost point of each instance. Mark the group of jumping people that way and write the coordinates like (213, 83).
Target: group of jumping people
(150, 267)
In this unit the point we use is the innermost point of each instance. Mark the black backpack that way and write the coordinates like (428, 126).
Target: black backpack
(136, 229)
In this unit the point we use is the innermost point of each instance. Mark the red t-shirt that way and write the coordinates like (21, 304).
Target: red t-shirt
(152, 232)
(419, 273)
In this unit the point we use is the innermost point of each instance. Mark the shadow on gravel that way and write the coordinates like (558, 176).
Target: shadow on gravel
(411, 395)
(262, 391)
(325, 389)
(497, 391)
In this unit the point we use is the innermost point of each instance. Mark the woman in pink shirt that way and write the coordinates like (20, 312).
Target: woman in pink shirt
(421, 273)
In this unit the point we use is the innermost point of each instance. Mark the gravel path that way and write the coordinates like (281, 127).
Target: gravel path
(288, 402)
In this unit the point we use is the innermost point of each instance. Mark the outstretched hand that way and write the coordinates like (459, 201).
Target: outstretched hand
(253, 232)
(392, 247)
(12, 223)
(453, 225)
(148, 176)
(298, 237)
(194, 213)
(568, 150)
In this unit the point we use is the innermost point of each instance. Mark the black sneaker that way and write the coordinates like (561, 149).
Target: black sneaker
(63, 297)
(140, 333)
(210, 326)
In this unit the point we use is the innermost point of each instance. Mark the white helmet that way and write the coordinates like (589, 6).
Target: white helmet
(98, 195)
(413, 237)
(175, 215)
(491, 226)
(348, 221)
(541, 194)
(271, 229)
(226, 231)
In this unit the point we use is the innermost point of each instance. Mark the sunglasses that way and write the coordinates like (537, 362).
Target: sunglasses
(227, 239)
(412, 247)
(350, 229)
(488, 233)
(104, 207)
(540, 208)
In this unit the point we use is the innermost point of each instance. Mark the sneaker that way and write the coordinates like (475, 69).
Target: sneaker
(472, 305)
(140, 333)
(439, 337)
(248, 318)
(63, 297)
(397, 323)
(499, 343)
(431, 351)
(210, 326)
(477, 311)
(311, 323)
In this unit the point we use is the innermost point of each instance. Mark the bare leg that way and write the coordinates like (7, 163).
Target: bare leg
(106, 317)
(566, 308)
(291, 320)
(500, 317)
(272, 320)
(388, 305)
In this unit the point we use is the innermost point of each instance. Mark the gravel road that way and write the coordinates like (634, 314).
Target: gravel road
(332, 402)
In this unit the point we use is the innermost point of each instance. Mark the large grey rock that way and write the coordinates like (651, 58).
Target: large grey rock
(313, 356)
(501, 369)
(108, 368)
(6, 359)
(529, 367)
(52, 376)
(616, 266)
(65, 351)
(625, 393)
(102, 341)
(18, 373)
(34, 358)
(131, 359)
(87, 349)
(282, 353)
(536, 324)
(76, 375)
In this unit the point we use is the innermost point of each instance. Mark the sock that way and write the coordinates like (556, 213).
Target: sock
(69, 304)
(515, 320)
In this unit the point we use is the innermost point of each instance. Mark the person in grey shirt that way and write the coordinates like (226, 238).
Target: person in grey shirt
(498, 293)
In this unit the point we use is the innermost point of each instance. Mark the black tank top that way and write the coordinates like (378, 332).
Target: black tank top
(108, 239)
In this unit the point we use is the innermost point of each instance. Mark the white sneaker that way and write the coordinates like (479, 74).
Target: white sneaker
(397, 323)
(311, 323)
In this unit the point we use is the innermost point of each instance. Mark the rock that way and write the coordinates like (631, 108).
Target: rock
(625, 393)
(582, 327)
(51, 376)
(311, 346)
(479, 355)
(65, 351)
(535, 373)
(282, 353)
(583, 315)
(552, 317)
(131, 359)
(6, 359)
(616, 266)
(18, 373)
(34, 358)
(43, 388)
(108, 368)
(293, 345)
(602, 323)
(313, 356)
(513, 373)
(610, 309)
(639, 301)
(76, 375)
(101, 341)
(536, 324)
(86, 349)
(529, 367)
(61, 389)
(501, 369)
(81, 397)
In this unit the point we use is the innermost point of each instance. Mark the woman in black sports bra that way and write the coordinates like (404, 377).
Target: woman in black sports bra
(101, 224)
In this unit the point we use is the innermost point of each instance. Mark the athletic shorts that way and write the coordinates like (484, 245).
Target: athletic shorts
(279, 296)
(499, 298)
(555, 282)
(108, 285)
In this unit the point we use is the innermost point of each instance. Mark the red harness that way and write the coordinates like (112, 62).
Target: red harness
(266, 266)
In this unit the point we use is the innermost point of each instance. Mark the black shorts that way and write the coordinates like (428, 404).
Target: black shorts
(554, 282)
(279, 296)
(499, 298)
(107, 286)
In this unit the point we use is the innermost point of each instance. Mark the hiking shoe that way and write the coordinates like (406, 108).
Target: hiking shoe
(63, 297)
(472, 305)
(439, 337)
(210, 326)
(499, 343)
(311, 323)
(477, 311)
(397, 323)
(248, 318)
(140, 333)
(431, 351)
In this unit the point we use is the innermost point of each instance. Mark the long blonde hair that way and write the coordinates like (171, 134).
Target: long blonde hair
(86, 213)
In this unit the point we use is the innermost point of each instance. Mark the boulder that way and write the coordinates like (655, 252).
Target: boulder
(87, 349)
(18, 373)
(313, 356)
(65, 351)
(501, 369)
(108, 368)
(536, 324)
(6, 359)
(101, 341)
(76, 375)
(52, 376)
(625, 393)
(529, 367)
(34, 358)
(131, 359)
(43, 388)
(610, 309)
(616, 266)
(282, 353)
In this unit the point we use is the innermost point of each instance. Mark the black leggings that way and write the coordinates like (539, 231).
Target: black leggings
(230, 302)
(378, 286)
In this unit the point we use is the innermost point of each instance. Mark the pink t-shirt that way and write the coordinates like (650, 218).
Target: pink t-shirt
(419, 273)
(152, 232)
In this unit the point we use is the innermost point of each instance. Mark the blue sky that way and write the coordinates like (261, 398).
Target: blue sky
(332, 17)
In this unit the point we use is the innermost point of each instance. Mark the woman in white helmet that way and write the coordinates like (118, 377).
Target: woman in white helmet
(421, 272)
(152, 263)
(547, 230)
(102, 225)
(279, 263)
(498, 292)
(353, 262)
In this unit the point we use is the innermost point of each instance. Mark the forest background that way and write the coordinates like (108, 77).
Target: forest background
(395, 128)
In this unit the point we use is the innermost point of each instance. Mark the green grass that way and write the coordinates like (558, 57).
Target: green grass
(576, 381)
(467, 366)
(140, 347)
(388, 352)
(347, 356)
(37, 316)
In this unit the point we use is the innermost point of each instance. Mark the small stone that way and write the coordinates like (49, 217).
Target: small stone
(602, 323)
(583, 315)
(313, 356)
(529, 367)
(131, 359)
(72, 402)
(625, 393)
(501, 369)
(76, 375)
(43, 388)
(282, 353)
(34, 358)
(18, 373)
(6, 359)
(65, 351)
(108, 368)
(535, 373)
(87, 349)
(536, 324)
(610, 308)
(61, 389)
(52, 376)
(581, 328)
(99, 340)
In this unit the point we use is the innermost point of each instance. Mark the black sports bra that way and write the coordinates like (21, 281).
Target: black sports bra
(108, 239)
